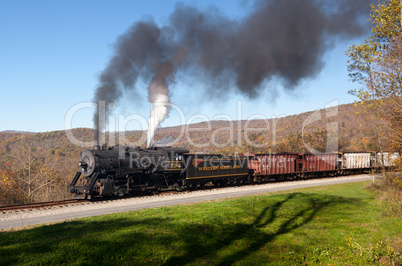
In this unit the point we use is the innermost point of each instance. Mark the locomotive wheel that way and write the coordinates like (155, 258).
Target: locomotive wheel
(218, 184)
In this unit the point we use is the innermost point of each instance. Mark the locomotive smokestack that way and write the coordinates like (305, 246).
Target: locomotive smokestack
(281, 40)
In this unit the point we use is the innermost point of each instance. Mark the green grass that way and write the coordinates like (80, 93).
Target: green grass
(339, 224)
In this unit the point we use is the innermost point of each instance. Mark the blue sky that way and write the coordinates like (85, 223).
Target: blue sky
(51, 53)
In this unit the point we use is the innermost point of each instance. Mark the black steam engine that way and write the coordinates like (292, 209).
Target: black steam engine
(119, 170)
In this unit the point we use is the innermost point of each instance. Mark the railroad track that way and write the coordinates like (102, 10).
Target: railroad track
(60, 203)
(39, 205)
(44, 205)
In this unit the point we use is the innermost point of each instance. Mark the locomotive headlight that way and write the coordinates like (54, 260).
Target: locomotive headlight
(87, 163)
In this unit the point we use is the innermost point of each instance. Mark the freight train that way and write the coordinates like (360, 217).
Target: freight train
(118, 170)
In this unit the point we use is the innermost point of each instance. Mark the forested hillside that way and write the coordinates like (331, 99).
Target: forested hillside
(39, 166)
(354, 126)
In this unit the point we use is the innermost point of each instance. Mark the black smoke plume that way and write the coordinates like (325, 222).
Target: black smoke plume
(283, 39)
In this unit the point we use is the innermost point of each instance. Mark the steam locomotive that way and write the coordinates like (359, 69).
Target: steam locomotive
(118, 170)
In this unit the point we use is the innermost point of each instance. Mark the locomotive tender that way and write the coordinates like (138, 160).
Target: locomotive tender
(119, 170)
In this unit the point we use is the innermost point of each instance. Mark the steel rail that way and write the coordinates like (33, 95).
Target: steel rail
(39, 205)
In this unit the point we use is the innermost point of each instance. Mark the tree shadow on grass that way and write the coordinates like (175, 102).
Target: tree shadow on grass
(199, 248)
(165, 239)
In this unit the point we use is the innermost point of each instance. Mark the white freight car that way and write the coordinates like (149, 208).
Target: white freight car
(386, 158)
(356, 161)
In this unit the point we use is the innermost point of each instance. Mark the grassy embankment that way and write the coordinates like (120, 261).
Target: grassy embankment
(330, 225)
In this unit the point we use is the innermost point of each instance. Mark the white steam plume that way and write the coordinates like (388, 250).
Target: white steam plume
(158, 95)
(160, 108)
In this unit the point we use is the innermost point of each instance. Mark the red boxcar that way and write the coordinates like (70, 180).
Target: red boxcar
(319, 162)
(274, 164)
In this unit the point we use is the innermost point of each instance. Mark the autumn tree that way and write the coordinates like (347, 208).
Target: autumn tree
(387, 87)
(376, 65)
(9, 191)
(32, 175)
(386, 20)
